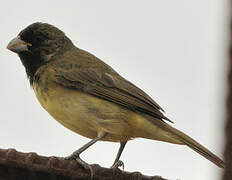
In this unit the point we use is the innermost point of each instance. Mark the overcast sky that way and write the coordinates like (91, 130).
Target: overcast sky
(173, 50)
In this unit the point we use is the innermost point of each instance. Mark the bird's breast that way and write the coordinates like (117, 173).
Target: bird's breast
(83, 113)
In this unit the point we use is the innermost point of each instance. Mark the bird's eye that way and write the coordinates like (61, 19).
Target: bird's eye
(29, 44)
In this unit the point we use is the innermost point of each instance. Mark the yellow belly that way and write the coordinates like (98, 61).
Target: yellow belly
(90, 116)
(85, 114)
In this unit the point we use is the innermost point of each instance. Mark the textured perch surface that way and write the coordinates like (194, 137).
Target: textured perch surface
(30, 166)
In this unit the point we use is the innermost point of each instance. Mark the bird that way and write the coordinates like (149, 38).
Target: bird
(89, 97)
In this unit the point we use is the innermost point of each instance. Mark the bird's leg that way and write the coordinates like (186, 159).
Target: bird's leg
(76, 155)
(117, 162)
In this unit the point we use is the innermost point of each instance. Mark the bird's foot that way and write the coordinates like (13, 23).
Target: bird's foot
(117, 164)
(73, 156)
(84, 164)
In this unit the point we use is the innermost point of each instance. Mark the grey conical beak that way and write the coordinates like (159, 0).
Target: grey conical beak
(17, 45)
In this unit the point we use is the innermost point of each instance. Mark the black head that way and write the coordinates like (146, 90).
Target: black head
(37, 44)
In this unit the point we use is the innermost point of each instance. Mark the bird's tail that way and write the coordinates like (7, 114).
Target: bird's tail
(185, 139)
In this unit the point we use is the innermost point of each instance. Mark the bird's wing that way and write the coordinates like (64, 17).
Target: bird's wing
(108, 85)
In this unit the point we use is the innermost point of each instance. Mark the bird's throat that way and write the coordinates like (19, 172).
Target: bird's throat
(31, 64)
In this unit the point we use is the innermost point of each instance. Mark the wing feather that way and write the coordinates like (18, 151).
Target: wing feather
(109, 85)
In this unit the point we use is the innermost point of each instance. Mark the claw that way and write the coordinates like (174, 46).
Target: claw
(86, 166)
(76, 154)
(117, 165)
(82, 163)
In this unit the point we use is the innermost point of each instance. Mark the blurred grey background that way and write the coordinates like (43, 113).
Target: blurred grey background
(174, 50)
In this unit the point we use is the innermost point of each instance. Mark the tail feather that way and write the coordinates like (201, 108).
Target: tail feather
(195, 146)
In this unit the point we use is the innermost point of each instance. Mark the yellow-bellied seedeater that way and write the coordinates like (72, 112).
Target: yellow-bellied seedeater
(88, 97)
